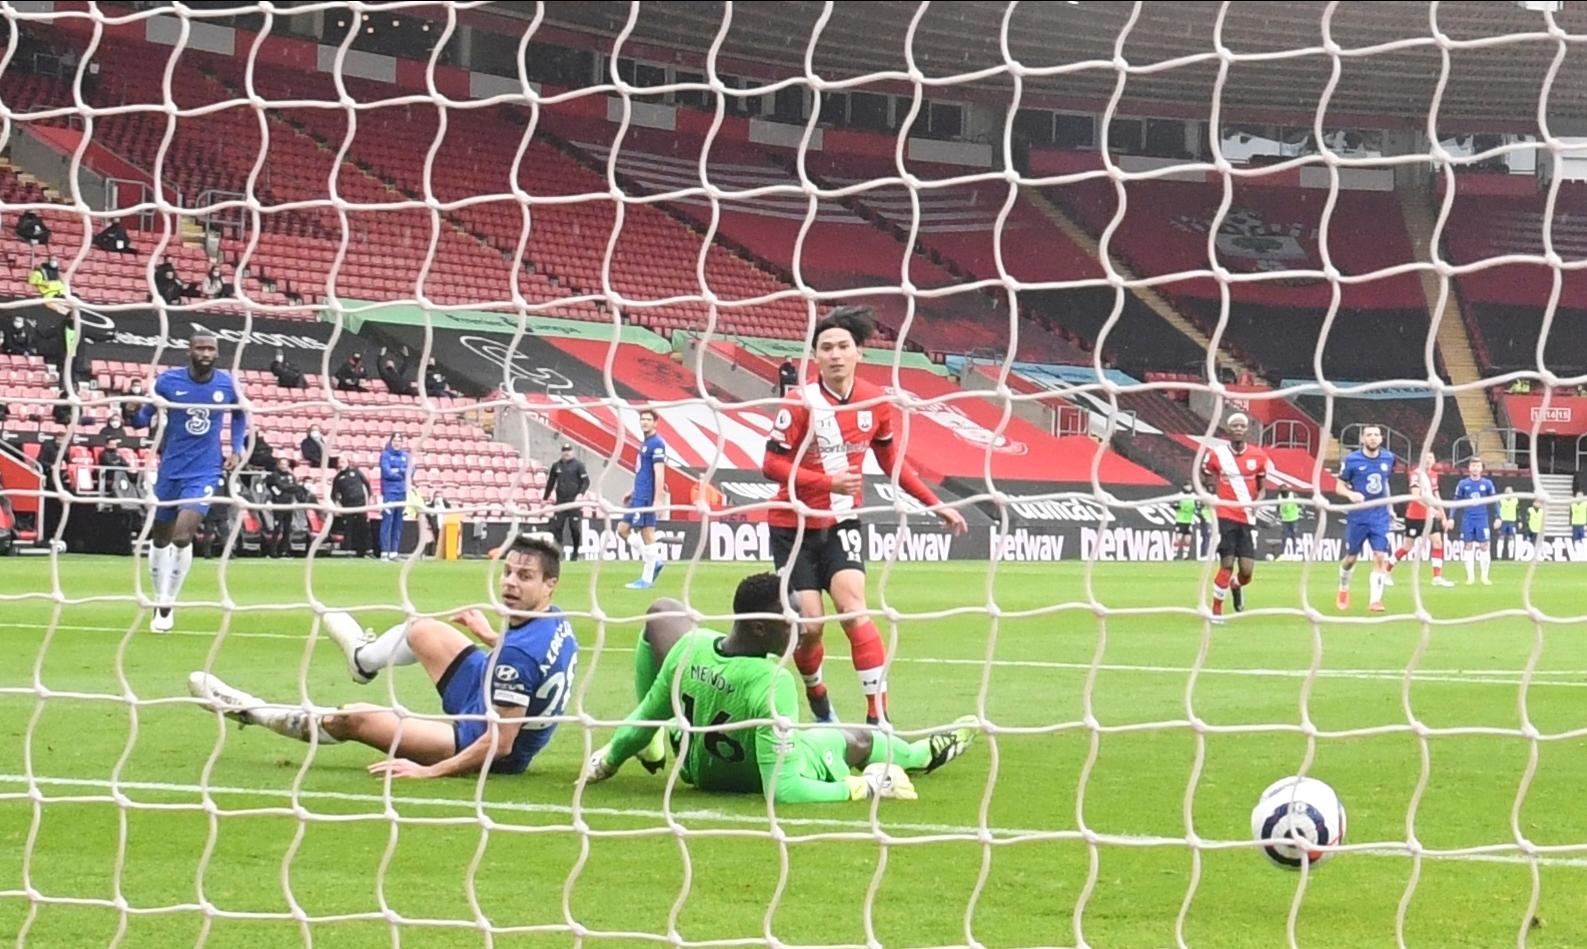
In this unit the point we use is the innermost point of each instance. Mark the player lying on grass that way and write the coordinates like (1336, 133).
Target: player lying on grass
(726, 681)
(525, 677)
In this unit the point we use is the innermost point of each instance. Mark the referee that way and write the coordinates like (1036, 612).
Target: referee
(568, 480)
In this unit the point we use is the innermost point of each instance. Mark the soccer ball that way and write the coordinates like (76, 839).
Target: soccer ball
(1295, 816)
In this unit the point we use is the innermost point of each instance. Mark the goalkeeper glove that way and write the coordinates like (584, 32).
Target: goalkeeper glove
(881, 780)
(599, 769)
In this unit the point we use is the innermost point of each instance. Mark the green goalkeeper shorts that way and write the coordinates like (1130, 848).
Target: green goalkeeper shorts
(821, 754)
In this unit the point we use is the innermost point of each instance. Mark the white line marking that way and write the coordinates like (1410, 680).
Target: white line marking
(1570, 678)
(1490, 853)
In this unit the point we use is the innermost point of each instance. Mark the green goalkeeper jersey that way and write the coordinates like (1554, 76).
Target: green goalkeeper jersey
(717, 692)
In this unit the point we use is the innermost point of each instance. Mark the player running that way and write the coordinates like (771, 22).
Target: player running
(1364, 479)
(816, 452)
(525, 677)
(649, 476)
(1241, 472)
(1425, 515)
(191, 464)
(1475, 497)
(723, 681)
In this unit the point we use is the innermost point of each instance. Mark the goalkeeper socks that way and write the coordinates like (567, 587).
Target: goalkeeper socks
(870, 661)
(178, 562)
(390, 648)
(909, 755)
(808, 660)
(645, 666)
(159, 566)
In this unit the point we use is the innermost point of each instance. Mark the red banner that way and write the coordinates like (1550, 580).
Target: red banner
(1564, 414)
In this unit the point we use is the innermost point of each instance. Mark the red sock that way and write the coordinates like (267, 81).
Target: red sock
(1400, 555)
(1220, 589)
(808, 659)
(870, 661)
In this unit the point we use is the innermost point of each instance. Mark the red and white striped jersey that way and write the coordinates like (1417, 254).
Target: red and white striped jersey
(1239, 477)
(1427, 481)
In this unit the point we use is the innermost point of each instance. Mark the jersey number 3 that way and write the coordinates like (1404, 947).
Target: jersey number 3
(1374, 484)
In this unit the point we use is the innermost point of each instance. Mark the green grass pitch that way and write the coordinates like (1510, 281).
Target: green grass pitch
(208, 831)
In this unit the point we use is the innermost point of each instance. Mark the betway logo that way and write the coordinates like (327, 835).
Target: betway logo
(1022, 546)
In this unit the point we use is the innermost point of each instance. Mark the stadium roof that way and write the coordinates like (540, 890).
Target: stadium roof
(1170, 47)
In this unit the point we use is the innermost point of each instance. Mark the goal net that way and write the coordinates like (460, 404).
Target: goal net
(460, 268)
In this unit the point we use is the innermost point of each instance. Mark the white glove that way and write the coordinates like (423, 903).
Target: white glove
(882, 780)
(598, 769)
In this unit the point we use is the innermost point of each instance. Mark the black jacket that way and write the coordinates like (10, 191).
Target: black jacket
(435, 384)
(287, 375)
(396, 378)
(350, 377)
(567, 479)
(313, 451)
(283, 488)
(350, 488)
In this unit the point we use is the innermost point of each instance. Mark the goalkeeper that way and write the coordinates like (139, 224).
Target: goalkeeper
(724, 682)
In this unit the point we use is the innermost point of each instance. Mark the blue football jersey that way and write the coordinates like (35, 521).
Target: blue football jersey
(652, 451)
(1368, 476)
(533, 674)
(191, 446)
(1477, 489)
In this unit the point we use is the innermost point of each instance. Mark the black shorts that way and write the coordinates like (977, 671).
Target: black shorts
(821, 555)
(1416, 528)
(1183, 530)
(1236, 540)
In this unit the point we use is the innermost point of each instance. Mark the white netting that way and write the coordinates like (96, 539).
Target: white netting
(1046, 842)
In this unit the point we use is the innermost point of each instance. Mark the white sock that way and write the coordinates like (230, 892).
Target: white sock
(653, 556)
(1375, 586)
(1344, 578)
(179, 561)
(636, 547)
(1483, 560)
(1471, 563)
(159, 565)
(390, 648)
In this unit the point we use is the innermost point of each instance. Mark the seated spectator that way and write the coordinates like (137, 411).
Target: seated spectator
(1520, 387)
(114, 430)
(351, 374)
(396, 377)
(18, 337)
(435, 382)
(31, 228)
(215, 286)
(166, 285)
(288, 376)
(114, 239)
(113, 464)
(313, 447)
(46, 279)
(263, 456)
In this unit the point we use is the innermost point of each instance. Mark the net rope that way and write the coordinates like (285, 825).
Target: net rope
(680, 814)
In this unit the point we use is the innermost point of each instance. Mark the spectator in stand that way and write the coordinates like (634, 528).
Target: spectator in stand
(214, 286)
(31, 228)
(112, 465)
(435, 382)
(568, 479)
(396, 377)
(396, 465)
(46, 279)
(114, 239)
(263, 456)
(787, 377)
(1520, 387)
(284, 490)
(115, 428)
(350, 489)
(313, 447)
(288, 375)
(18, 339)
(50, 453)
(167, 286)
(352, 374)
